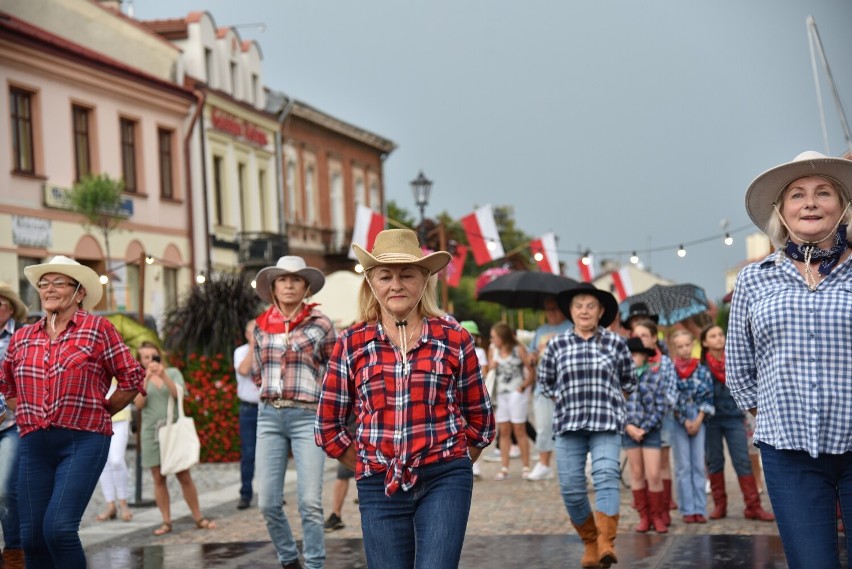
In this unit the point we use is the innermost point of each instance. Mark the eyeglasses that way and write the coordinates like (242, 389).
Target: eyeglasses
(58, 284)
(5, 303)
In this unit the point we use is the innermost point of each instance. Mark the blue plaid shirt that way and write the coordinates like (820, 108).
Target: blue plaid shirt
(647, 406)
(788, 354)
(586, 379)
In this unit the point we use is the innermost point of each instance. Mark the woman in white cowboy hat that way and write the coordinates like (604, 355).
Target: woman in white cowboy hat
(413, 380)
(293, 342)
(13, 312)
(58, 372)
(787, 353)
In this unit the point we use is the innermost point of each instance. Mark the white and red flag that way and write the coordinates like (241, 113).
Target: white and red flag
(623, 283)
(545, 247)
(454, 269)
(482, 235)
(368, 224)
(587, 271)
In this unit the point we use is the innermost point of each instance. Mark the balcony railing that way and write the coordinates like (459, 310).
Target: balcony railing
(261, 248)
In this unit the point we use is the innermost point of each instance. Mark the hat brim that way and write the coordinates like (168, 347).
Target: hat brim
(433, 262)
(764, 190)
(266, 276)
(87, 278)
(20, 309)
(607, 300)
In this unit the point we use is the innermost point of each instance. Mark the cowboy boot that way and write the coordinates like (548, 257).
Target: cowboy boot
(669, 504)
(13, 558)
(607, 530)
(588, 532)
(720, 498)
(657, 508)
(753, 509)
(640, 502)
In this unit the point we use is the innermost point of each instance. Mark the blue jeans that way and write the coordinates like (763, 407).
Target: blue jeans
(9, 442)
(690, 470)
(248, 442)
(280, 431)
(571, 450)
(58, 472)
(422, 528)
(804, 492)
(543, 407)
(732, 429)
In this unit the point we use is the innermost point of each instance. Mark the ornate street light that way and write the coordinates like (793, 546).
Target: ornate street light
(421, 187)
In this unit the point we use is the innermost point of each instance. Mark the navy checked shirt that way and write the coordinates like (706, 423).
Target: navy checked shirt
(586, 379)
(788, 354)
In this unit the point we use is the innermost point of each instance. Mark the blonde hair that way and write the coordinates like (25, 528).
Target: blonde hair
(776, 231)
(680, 332)
(505, 333)
(369, 309)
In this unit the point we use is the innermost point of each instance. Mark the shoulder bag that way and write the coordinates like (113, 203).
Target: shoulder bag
(179, 445)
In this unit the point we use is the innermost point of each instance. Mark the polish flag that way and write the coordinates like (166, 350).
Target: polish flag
(546, 246)
(368, 224)
(482, 235)
(454, 269)
(587, 272)
(623, 283)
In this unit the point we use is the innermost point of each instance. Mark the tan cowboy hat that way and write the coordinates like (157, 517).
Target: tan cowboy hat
(289, 265)
(19, 308)
(766, 189)
(400, 247)
(63, 265)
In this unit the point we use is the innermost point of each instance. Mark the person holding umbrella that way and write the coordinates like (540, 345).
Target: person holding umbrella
(588, 372)
(787, 353)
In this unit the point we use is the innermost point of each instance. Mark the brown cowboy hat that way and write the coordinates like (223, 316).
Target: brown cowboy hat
(19, 309)
(400, 247)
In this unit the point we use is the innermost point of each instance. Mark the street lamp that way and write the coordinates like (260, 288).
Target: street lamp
(421, 187)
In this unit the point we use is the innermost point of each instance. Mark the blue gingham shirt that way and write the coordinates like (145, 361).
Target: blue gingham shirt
(788, 354)
(647, 406)
(586, 379)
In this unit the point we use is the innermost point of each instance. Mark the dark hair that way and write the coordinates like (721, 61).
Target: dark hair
(703, 336)
(646, 323)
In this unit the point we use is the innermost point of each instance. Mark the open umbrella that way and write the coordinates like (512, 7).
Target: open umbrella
(672, 303)
(524, 289)
(132, 332)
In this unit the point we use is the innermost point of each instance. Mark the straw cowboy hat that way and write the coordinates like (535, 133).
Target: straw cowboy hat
(766, 189)
(289, 265)
(400, 247)
(607, 300)
(63, 265)
(19, 309)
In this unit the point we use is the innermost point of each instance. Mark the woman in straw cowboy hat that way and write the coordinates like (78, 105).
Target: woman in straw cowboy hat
(787, 353)
(413, 380)
(13, 312)
(58, 372)
(293, 342)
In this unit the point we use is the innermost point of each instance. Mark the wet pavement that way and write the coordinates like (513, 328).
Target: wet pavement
(513, 523)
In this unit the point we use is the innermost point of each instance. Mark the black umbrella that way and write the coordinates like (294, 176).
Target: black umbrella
(524, 289)
(672, 303)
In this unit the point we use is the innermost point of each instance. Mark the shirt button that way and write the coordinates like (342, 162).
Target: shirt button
(813, 359)
(813, 335)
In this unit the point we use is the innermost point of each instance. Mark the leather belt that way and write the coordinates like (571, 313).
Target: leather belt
(280, 403)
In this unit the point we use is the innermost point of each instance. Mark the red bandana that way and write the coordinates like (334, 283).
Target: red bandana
(273, 322)
(717, 367)
(685, 367)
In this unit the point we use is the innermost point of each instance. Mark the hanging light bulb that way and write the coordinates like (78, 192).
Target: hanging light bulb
(681, 252)
(200, 278)
(634, 258)
(538, 256)
(149, 260)
(359, 269)
(491, 245)
(104, 279)
(587, 258)
(253, 283)
(728, 239)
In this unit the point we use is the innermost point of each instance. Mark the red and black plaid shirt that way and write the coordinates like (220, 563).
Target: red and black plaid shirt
(404, 422)
(63, 383)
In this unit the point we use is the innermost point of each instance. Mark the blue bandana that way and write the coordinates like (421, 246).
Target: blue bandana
(827, 258)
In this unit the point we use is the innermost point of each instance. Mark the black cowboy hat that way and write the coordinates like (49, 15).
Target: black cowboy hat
(636, 345)
(640, 309)
(607, 300)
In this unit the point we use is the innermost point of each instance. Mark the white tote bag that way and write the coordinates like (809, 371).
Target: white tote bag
(179, 445)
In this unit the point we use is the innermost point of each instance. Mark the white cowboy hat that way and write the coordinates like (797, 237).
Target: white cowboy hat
(19, 309)
(290, 265)
(766, 189)
(400, 247)
(63, 265)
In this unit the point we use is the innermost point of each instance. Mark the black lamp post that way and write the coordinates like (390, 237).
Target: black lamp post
(421, 187)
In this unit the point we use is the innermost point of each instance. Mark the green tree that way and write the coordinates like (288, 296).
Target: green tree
(97, 197)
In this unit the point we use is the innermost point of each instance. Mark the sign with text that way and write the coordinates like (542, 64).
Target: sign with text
(31, 231)
(57, 197)
(235, 126)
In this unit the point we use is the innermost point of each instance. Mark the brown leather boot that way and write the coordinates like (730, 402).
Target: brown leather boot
(657, 502)
(753, 509)
(13, 558)
(720, 498)
(607, 530)
(588, 532)
(640, 502)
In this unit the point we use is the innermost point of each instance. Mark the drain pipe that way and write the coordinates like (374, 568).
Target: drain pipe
(279, 158)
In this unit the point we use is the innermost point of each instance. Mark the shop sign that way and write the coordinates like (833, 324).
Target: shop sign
(230, 124)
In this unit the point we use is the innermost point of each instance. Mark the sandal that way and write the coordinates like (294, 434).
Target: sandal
(126, 515)
(503, 474)
(106, 516)
(204, 523)
(163, 529)
(525, 473)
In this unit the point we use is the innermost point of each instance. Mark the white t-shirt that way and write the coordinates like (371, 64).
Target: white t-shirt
(246, 389)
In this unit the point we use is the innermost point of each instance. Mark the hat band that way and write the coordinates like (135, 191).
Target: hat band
(397, 258)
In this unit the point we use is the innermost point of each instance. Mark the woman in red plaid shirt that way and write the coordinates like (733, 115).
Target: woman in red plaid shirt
(413, 380)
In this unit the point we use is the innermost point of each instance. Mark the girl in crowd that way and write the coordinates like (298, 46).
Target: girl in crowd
(114, 478)
(161, 383)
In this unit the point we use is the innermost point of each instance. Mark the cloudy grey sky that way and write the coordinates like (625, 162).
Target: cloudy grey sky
(619, 125)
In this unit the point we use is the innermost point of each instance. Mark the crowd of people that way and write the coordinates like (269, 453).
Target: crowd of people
(407, 398)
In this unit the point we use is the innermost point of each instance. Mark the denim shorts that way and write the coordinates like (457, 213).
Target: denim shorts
(653, 439)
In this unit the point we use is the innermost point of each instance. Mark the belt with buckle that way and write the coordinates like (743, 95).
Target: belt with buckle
(280, 403)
